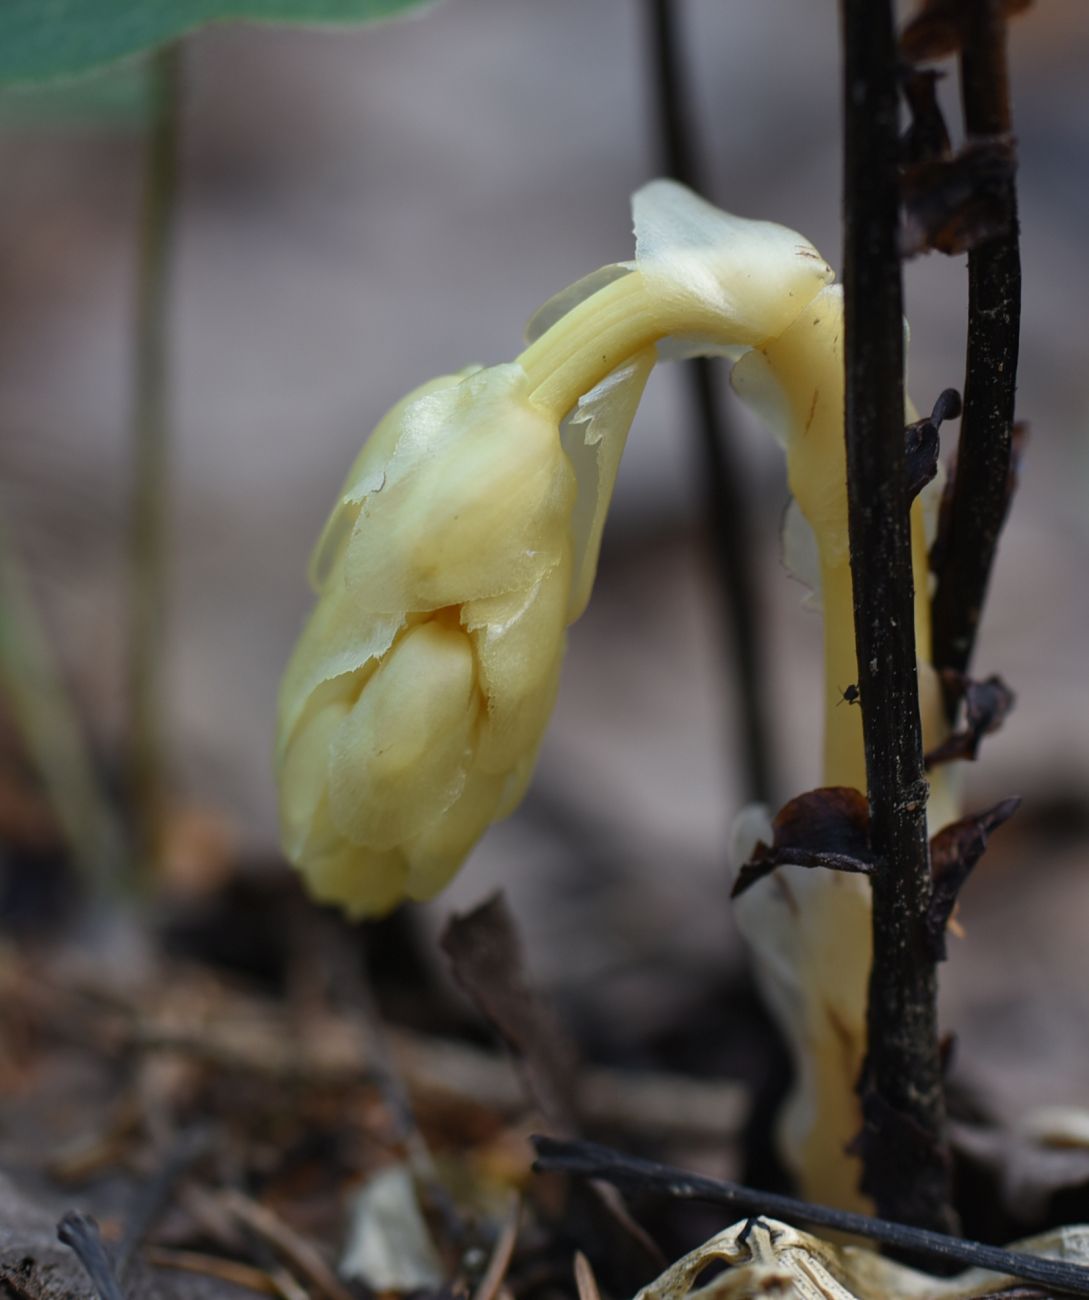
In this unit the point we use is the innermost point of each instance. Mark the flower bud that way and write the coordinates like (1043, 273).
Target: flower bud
(415, 701)
(465, 540)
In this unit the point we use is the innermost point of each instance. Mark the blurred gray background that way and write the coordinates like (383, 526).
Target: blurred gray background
(361, 211)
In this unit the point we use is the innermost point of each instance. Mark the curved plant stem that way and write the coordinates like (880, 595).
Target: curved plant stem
(980, 494)
(721, 472)
(905, 1163)
(148, 539)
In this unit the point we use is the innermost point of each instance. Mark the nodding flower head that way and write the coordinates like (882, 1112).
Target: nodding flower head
(412, 709)
(465, 540)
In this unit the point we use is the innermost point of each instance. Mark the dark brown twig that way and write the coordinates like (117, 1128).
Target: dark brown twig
(981, 488)
(905, 1164)
(722, 475)
(632, 1174)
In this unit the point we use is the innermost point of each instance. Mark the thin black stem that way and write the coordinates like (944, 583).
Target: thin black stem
(148, 537)
(635, 1175)
(905, 1163)
(722, 474)
(980, 494)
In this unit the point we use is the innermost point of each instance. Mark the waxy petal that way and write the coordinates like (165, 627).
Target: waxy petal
(735, 280)
(519, 642)
(341, 640)
(362, 881)
(560, 304)
(367, 475)
(594, 435)
(399, 758)
(436, 853)
(475, 502)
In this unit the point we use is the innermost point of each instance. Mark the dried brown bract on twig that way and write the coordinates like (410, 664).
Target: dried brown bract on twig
(954, 852)
(952, 205)
(829, 827)
(987, 704)
(922, 444)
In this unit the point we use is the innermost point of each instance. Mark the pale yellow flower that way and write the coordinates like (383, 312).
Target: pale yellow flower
(465, 540)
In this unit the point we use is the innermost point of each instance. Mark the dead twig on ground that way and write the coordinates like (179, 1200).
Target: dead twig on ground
(492, 1281)
(79, 1232)
(287, 1243)
(584, 1278)
(224, 1270)
(632, 1174)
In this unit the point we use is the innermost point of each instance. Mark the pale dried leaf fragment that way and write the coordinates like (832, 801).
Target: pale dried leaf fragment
(389, 1244)
(770, 1258)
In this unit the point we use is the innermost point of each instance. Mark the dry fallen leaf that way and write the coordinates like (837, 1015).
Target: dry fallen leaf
(485, 954)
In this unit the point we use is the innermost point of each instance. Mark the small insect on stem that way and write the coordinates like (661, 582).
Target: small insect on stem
(848, 696)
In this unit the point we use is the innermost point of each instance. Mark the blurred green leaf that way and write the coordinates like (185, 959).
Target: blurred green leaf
(42, 40)
(114, 98)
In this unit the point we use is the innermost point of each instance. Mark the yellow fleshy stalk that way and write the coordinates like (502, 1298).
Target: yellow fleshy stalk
(810, 930)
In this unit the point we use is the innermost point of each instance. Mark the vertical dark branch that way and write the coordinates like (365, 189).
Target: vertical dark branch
(722, 476)
(904, 1166)
(980, 492)
(148, 549)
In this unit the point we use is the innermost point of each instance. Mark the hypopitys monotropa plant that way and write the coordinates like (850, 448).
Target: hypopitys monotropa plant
(464, 542)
